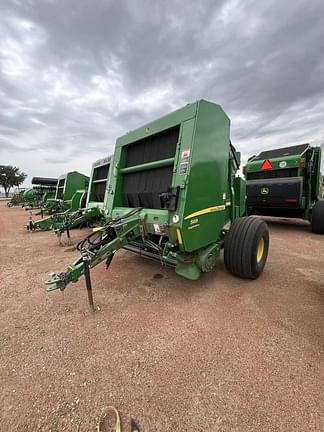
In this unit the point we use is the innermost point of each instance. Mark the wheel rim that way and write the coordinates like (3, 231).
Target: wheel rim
(260, 250)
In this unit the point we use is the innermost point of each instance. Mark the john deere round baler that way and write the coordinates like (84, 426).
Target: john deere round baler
(287, 182)
(174, 196)
(70, 196)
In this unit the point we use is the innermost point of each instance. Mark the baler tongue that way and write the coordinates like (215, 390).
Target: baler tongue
(56, 281)
(95, 248)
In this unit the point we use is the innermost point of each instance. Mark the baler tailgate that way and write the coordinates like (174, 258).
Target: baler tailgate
(275, 192)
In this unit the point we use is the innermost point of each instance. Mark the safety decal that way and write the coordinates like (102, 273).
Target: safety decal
(184, 162)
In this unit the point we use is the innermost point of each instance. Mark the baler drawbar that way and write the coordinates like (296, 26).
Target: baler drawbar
(97, 247)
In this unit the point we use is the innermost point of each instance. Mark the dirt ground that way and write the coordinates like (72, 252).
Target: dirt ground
(220, 354)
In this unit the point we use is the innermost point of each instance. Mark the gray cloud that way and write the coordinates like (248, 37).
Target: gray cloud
(75, 75)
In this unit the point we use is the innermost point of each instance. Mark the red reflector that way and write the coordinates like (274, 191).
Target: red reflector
(302, 163)
(266, 165)
(291, 200)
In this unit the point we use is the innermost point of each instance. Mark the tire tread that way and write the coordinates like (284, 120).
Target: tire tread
(240, 248)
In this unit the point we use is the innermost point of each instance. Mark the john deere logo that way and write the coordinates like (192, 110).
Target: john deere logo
(264, 191)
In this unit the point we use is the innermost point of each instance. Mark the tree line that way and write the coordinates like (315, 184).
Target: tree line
(10, 176)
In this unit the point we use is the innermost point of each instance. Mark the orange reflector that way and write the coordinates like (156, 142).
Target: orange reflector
(266, 165)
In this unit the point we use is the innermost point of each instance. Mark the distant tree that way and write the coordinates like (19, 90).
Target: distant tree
(10, 176)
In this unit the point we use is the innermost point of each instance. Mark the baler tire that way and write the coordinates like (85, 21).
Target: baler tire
(318, 217)
(246, 247)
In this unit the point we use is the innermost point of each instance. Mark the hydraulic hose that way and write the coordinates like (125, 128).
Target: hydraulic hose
(97, 239)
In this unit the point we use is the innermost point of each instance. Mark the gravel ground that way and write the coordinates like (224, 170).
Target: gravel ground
(220, 354)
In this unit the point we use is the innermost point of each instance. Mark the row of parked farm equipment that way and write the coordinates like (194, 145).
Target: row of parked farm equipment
(81, 206)
(76, 201)
(37, 196)
(172, 192)
(70, 196)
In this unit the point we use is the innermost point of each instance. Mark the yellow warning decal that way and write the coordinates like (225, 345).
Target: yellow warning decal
(179, 236)
(206, 211)
(97, 229)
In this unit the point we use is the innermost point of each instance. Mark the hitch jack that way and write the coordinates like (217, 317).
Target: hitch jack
(88, 282)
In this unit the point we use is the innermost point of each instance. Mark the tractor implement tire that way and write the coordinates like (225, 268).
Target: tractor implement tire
(246, 247)
(318, 217)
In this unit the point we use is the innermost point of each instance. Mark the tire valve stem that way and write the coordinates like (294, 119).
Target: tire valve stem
(87, 277)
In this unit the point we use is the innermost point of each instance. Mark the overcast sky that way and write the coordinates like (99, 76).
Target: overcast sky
(76, 74)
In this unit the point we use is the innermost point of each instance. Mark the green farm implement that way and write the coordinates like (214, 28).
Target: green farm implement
(287, 182)
(17, 198)
(174, 196)
(43, 189)
(70, 196)
(93, 214)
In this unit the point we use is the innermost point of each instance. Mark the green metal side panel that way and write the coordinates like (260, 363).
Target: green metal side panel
(29, 193)
(240, 197)
(73, 181)
(207, 189)
(277, 163)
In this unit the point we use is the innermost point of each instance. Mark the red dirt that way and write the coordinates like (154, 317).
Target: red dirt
(220, 354)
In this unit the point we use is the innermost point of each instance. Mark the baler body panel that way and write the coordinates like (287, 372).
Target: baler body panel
(204, 209)
(69, 183)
